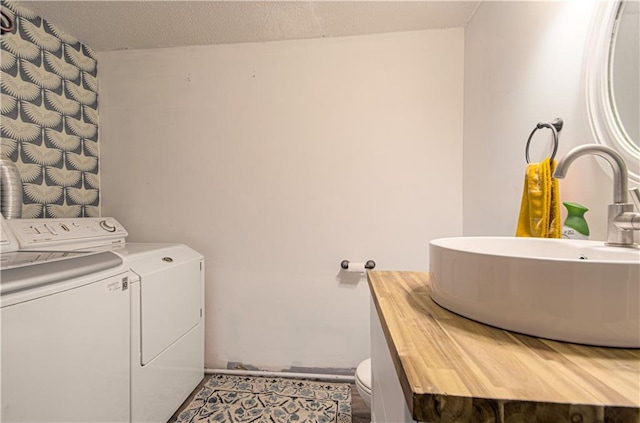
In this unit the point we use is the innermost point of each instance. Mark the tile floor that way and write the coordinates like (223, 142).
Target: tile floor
(360, 412)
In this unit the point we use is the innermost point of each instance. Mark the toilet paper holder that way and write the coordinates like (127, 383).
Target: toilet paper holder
(370, 264)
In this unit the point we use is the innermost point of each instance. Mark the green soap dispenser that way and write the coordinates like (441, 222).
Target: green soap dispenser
(575, 226)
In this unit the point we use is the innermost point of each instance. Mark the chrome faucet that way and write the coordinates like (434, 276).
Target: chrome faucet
(622, 221)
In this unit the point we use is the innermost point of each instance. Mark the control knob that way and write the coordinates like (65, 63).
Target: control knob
(107, 226)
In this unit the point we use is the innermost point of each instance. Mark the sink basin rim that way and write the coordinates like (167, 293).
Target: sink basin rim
(580, 249)
(541, 289)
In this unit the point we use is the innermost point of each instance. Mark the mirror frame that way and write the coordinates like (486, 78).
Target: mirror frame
(603, 116)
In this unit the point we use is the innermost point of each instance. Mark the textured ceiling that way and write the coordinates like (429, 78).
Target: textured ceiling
(117, 25)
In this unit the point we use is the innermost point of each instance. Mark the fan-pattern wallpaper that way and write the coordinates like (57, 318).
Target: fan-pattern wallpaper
(49, 120)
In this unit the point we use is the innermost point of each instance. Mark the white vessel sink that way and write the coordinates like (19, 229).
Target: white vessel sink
(566, 290)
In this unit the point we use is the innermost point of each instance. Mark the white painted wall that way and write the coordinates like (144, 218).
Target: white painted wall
(524, 64)
(279, 160)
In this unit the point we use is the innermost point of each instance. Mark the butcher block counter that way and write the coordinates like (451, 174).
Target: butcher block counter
(452, 369)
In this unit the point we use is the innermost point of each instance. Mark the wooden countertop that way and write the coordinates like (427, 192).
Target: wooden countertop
(455, 369)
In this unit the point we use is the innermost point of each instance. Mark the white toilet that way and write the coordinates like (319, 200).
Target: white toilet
(363, 381)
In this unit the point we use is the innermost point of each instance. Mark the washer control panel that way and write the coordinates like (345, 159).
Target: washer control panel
(67, 233)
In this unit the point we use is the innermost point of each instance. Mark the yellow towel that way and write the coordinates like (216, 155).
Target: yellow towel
(540, 207)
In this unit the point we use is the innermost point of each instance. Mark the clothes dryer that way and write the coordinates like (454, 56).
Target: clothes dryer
(167, 327)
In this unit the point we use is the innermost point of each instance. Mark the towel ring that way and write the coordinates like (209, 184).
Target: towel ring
(555, 126)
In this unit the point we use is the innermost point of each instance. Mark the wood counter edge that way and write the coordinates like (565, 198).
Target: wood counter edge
(440, 408)
(393, 351)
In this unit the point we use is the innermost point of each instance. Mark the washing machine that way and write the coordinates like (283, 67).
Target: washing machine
(166, 283)
(95, 329)
(65, 315)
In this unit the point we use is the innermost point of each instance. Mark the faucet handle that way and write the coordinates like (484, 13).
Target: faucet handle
(635, 196)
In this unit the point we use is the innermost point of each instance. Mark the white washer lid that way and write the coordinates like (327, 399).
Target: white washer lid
(363, 373)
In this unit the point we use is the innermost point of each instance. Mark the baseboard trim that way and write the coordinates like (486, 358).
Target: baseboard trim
(288, 375)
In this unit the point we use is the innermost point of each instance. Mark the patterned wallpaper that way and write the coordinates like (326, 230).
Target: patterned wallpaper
(49, 116)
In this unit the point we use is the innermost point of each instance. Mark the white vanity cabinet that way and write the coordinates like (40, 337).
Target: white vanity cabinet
(388, 403)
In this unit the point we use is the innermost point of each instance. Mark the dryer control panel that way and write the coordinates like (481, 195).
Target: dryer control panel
(8, 242)
(67, 233)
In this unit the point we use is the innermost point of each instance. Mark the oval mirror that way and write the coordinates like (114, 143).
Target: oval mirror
(613, 80)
